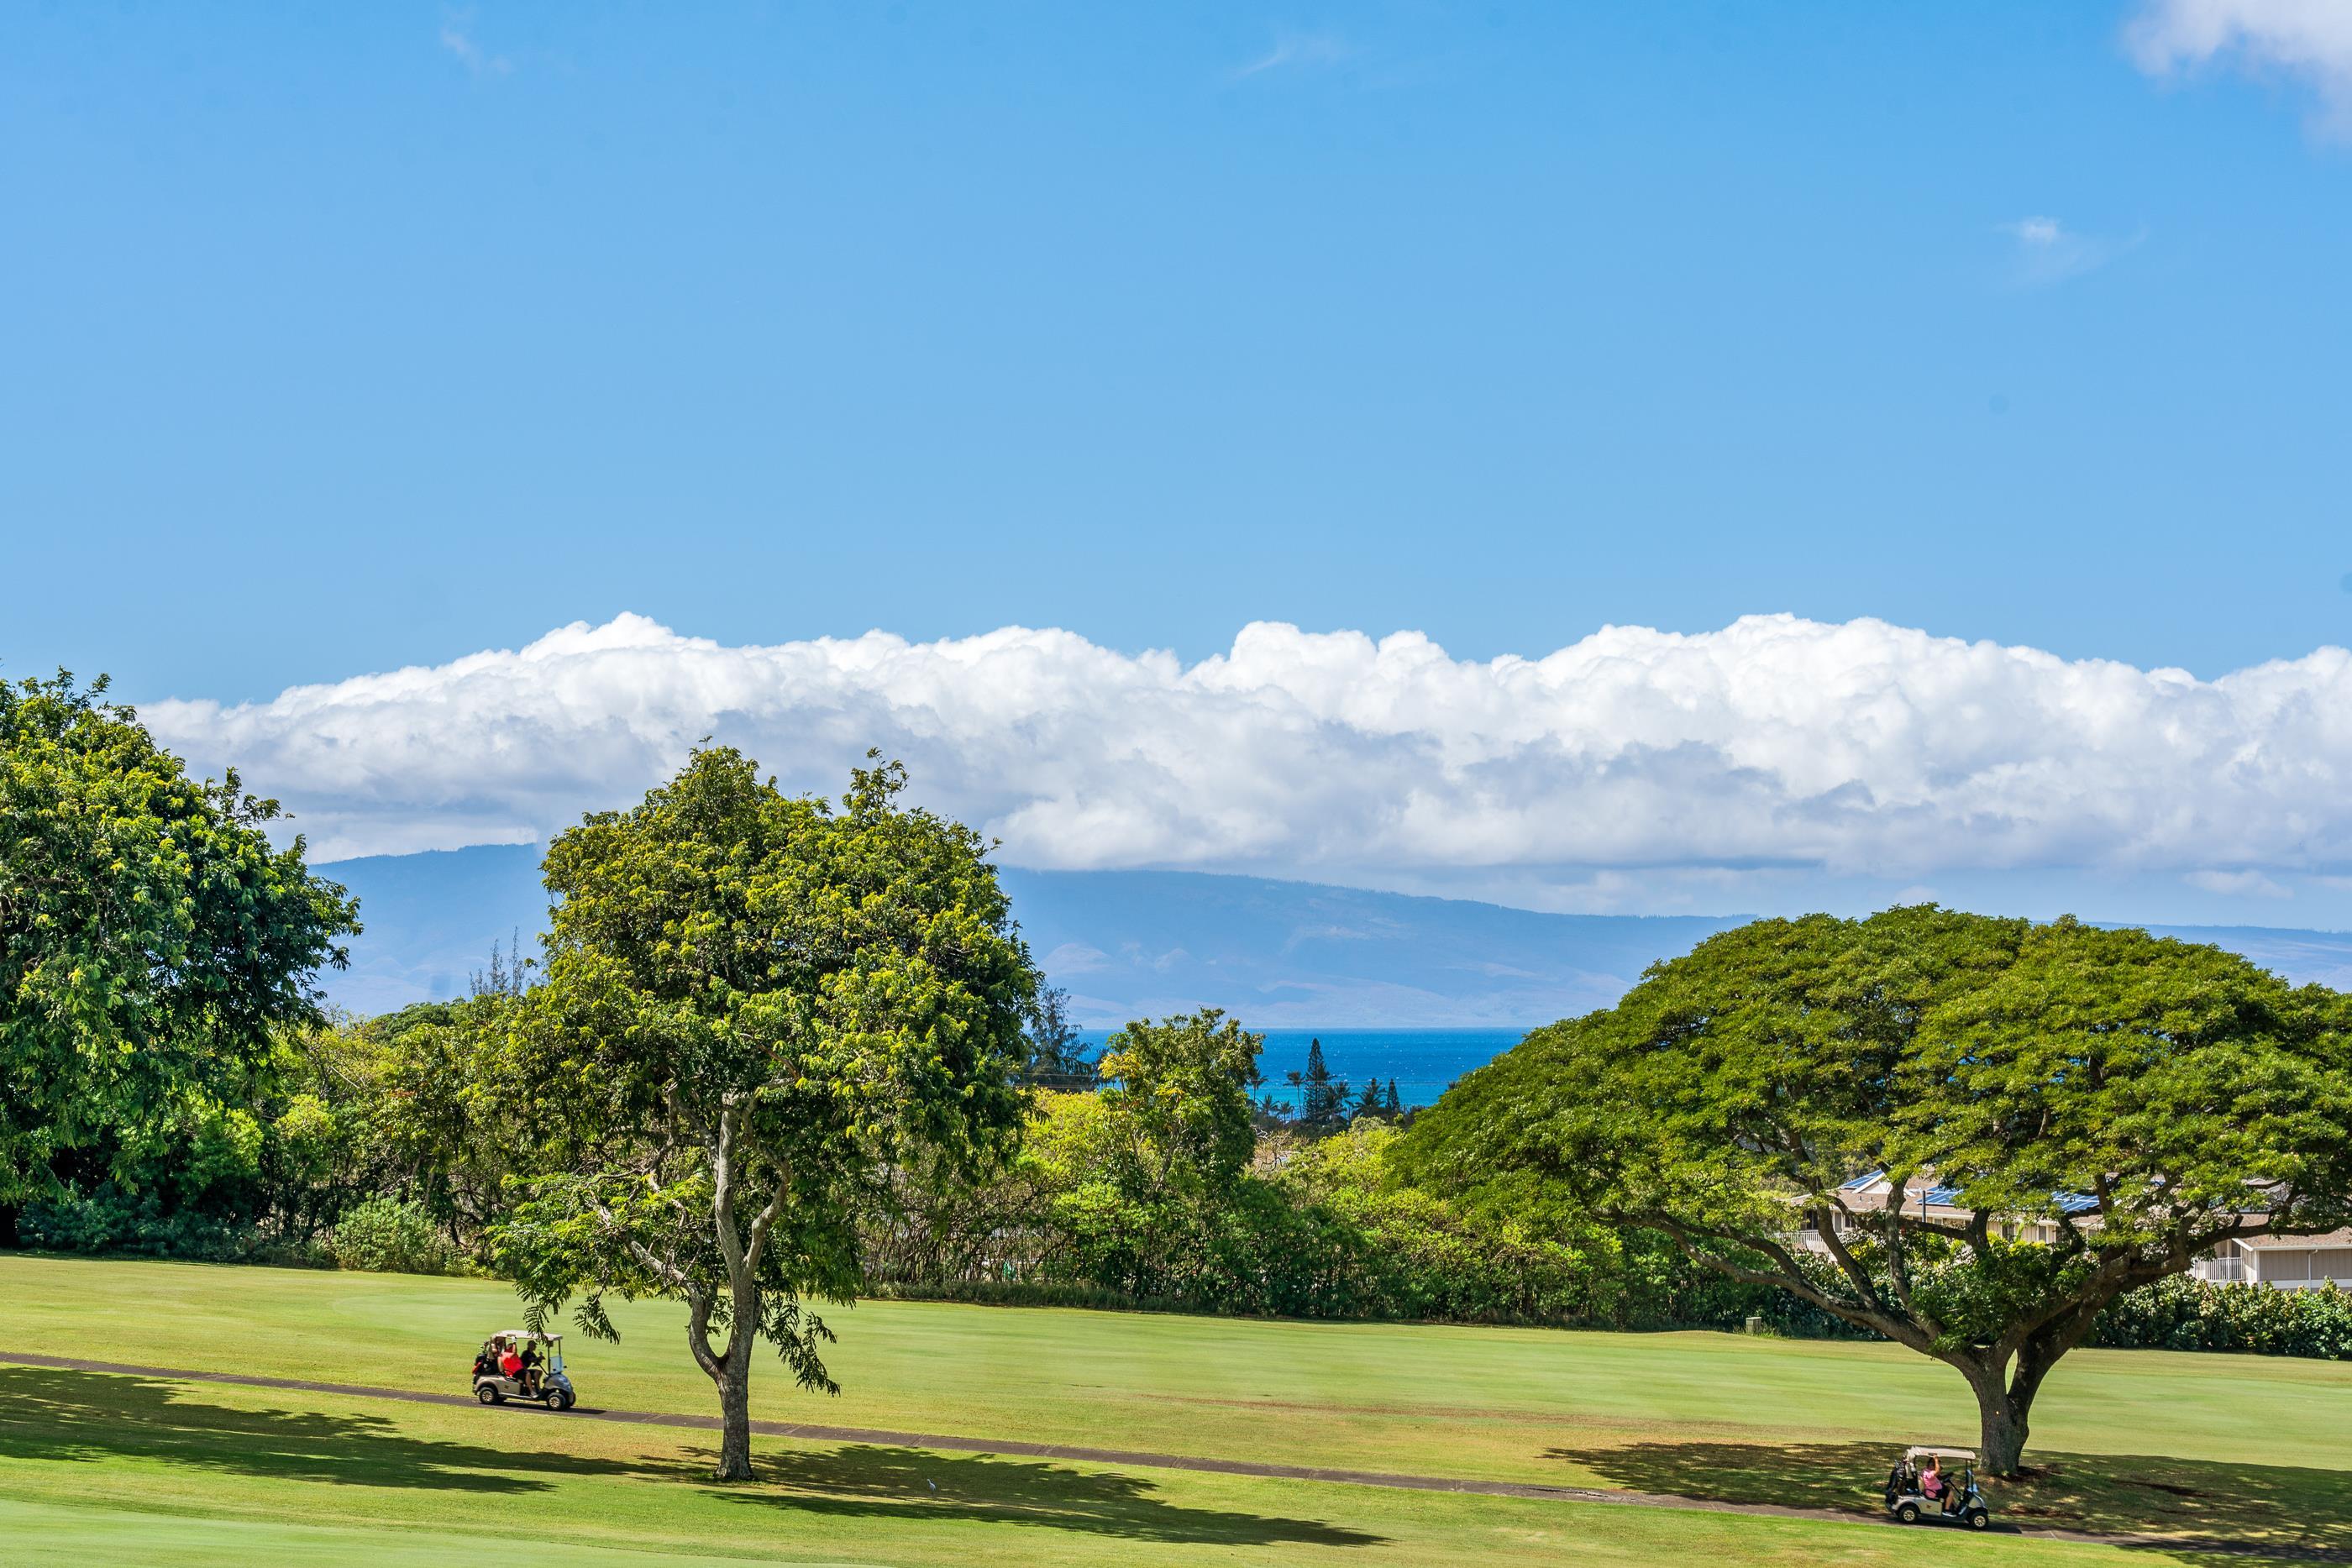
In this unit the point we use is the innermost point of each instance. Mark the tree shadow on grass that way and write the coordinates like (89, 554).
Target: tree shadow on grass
(2202, 1510)
(866, 1481)
(88, 1417)
(92, 1417)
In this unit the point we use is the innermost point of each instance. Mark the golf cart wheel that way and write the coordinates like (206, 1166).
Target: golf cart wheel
(553, 1398)
(486, 1394)
(1980, 1520)
(1909, 1513)
(569, 1401)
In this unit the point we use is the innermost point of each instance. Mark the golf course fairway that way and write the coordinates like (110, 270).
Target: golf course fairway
(2200, 1457)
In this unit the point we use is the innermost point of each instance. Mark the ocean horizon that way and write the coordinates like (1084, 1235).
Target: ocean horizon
(1422, 1061)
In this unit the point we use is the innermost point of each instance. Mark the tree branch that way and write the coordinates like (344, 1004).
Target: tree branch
(763, 1221)
(1856, 1275)
(669, 1273)
(1896, 1267)
(1788, 1277)
(722, 1190)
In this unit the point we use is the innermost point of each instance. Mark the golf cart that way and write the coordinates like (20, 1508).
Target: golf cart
(541, 1384)
(1956, 1500)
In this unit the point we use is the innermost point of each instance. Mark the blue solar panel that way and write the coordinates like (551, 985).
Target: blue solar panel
(1949, 1196)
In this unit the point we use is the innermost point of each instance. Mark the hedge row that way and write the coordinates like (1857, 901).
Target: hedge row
(2182, 1314)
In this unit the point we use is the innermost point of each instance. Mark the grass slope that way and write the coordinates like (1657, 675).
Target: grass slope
(2229, 1447)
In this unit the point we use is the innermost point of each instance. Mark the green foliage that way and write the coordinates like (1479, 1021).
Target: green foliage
(2147, 1098)
(1322, 1098)
(445, 1103)
(1177, 1101)
(1058, 1055)
(144, 1223)
(1136, 1181)
(265, 1178)
(1311, 1228)
(757, 1015)
(151, 940)
(388, 1236)
(2181, 1314)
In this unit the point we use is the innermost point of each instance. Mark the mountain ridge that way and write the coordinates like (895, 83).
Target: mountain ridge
(1133, 943)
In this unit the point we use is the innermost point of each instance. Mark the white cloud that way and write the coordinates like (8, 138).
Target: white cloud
(458, 37)
(2237, 883)
(1076, 958)
(2310, 39)
(1856, 749)
(1296, 49)
(2048, 252)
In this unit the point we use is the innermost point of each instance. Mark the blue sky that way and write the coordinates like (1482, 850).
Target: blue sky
(346, 337)
(349, 339)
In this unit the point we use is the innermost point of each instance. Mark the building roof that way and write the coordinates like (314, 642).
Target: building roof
(2307, 1243)
(1949, 1196)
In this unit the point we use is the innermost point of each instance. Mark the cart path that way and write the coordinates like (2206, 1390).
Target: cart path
(811, 1432)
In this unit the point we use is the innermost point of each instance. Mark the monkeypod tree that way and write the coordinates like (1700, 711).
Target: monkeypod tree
(756, 1013)
(2135, 1101)
(152, 941)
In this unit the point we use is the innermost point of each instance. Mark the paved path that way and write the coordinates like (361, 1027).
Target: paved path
(810, 1432)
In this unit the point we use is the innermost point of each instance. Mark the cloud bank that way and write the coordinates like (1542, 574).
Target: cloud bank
(1862, 748)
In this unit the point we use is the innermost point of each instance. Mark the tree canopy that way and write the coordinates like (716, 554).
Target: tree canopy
(756, 1010)
(2140, 1099)
(1057, 1050)
(151, 938)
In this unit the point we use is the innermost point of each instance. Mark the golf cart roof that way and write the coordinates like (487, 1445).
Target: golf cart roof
(524, 1333)
(1929, 1451)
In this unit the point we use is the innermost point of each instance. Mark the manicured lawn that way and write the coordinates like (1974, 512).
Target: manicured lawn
(126, 1469)
(2241, 1448)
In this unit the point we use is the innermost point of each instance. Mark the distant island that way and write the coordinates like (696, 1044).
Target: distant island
(1133, 944)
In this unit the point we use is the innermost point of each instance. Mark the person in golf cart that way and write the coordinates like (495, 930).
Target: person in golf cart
(1918, 1486)
(511, 1367)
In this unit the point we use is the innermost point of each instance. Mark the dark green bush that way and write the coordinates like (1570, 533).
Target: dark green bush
(2184, 1314)
(388, 1236)
(145, 1224)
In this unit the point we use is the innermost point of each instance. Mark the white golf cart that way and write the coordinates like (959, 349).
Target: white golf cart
(1952, 1475)
(543, 1381)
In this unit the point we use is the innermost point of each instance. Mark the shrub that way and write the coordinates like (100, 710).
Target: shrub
(2184, 1314)
(389, 1236)
(109, 1219)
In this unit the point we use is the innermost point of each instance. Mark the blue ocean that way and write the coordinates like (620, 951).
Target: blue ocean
(1422, 1061)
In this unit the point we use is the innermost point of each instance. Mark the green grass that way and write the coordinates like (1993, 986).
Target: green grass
(135, 1470)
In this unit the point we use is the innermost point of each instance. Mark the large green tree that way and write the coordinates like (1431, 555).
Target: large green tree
(1143, 1177)
(757, 1014)
(2141, 1100)
(153, 940)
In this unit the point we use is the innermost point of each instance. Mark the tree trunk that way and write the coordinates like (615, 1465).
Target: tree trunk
(731, 1372)
(2004, 1404)
(2001, 1428)
(734, 1378)
(735, 1417)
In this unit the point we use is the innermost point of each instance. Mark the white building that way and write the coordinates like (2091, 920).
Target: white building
(2289, 1262)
